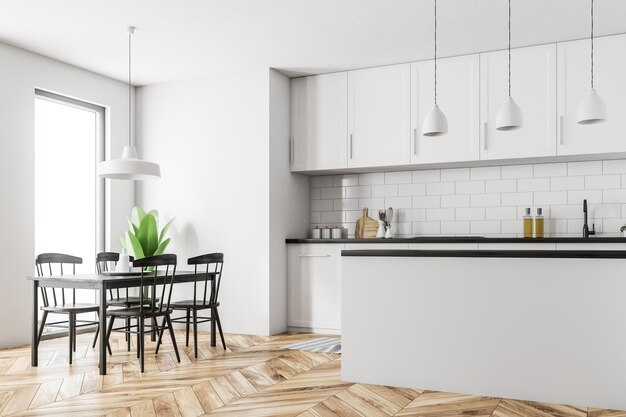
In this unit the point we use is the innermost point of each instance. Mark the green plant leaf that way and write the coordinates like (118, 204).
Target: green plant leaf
(155, 214)
(147, 235)
(165, 230)
(137, 249)
(162, 247)
(132, 227)
(136, 215)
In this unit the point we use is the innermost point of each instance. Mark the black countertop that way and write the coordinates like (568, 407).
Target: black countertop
(467, 239)
(569, 254)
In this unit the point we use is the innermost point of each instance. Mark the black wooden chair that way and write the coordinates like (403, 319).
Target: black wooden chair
(55, 300)
(153, 283)
(213, 262)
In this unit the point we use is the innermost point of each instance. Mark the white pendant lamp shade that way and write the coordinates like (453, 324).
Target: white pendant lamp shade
(129, 167)
(591, 109)
(510, 116)
(435, 123)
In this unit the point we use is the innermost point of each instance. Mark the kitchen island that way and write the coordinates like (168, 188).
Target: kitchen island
(542, 325)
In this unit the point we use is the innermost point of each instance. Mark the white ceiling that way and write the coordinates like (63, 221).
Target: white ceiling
(179, 39)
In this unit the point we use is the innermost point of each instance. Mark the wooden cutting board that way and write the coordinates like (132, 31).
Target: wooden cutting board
(366, 227)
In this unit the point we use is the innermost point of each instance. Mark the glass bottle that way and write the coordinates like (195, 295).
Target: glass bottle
(539, 223)
(528, 224)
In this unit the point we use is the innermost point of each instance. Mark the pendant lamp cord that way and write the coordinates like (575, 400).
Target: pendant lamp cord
(130, 88)
(435, 52)
(509, 48)
(591, 44)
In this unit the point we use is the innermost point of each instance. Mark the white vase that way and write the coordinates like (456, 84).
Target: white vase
(388, 233)
(381, 229)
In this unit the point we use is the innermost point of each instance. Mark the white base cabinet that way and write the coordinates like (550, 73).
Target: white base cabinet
(314, 286)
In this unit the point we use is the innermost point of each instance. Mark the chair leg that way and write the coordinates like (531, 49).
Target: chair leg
(187, 327)
(128, 334)
(71, 333)
(153, 332)
(43, 324)
(195, 333)
(161, 330)
(108, 334)
(141, 343)
(95, 336)
(219, 326)
(139, 336)
(171, 329)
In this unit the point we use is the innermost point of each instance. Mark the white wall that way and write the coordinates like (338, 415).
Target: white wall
(20, 73)
(478, 201)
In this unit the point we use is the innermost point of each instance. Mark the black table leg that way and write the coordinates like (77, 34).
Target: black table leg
(103, 326)
(34, 350)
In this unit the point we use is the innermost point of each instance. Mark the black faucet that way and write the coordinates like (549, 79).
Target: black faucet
(586, 231)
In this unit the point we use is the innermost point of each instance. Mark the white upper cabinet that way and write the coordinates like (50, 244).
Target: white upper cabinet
(533, 79)
(319, 122)
(379, 116)
(458, 95)
(574, 75)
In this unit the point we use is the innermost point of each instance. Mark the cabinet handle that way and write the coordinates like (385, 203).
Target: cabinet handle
(415, 141)
(312, 255)
(350, 145)
(561, 130)
(485, 136)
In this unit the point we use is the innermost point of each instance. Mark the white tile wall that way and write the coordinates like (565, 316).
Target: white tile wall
(478, 201)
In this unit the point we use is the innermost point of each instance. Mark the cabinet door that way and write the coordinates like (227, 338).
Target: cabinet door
(533, 79)
(458, 94)
(319, 122)
(314, 286)
(379, 116)
(574, 70)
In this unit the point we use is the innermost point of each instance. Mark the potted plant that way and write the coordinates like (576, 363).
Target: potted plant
(143, 239)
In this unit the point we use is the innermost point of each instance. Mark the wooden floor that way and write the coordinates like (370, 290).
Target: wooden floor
(254, 377)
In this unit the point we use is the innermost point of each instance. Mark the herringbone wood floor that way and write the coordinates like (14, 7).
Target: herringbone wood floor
(254, 377)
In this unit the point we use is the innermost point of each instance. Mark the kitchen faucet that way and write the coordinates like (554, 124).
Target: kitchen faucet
(586, 231)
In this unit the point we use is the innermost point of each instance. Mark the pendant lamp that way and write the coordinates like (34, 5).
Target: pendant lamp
(129, 166)
(435, 123)
(591, 109)
(510, 115)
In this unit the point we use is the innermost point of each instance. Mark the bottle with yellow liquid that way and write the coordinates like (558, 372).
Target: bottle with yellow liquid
(528, 224)
(539, 223)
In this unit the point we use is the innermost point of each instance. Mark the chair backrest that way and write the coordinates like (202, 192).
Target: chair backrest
(151, 280)
(55, 259)
(211, 263)
(103, 260)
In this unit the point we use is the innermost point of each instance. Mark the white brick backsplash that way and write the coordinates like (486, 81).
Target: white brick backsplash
(346, 180)
(602, 182)
(614, 167)
(550, 170)
(439, 188)
(399, 202)
(577, 197)
(485, 200)
(483, 227)
(372, 179)
(567, 183)
(439, 214)
(384, 190)
(325, 181)
(533, 184)
(470, 187)
(459, 174)
(403, 177)
(485, 173)
(488, 201)
(473, 213)
(550, 198)
(517, 199)
(501, 213)
(332, 192)
(427, 176)
(584, 168)
(412, 189)
(500, 186)
(360, 191)
(517, 171)
(455, 228)
(432, 201)
(458, 200)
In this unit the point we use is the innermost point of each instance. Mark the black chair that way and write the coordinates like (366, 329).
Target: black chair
(153, 284)
(56, 302)
(213, 263)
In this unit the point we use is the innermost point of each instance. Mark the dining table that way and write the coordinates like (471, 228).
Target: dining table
(102, 282)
